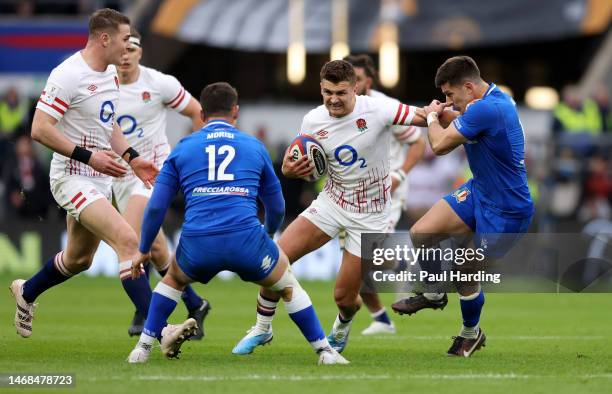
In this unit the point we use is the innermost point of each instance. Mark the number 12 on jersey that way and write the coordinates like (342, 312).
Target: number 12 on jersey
(219, 174)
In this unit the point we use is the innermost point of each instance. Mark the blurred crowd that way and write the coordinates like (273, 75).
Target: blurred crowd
(27, 8)
(580, 177)
(24, 175)
(575, 187)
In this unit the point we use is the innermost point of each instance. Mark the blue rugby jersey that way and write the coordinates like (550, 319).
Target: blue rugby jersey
(496, 153)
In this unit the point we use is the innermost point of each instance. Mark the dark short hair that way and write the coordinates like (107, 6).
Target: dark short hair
(218, 98)
(457, 70)
(106, 20)
(364, 61)
(135, 33)
(338, 71)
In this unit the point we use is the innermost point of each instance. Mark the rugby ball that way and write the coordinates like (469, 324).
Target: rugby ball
(305, 145)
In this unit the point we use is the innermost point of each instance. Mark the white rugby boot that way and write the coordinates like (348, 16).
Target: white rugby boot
(24, 313)
(140, 354)
(329, 356)
(173, 337)
(378, 328)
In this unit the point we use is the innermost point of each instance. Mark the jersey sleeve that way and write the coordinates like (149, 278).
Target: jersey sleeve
(395, 113)
(169, 175)
(406, 134)
(306, 127)
(477, 118)
(174, 95)
(58, 93)
(271, 195)
(269, 181)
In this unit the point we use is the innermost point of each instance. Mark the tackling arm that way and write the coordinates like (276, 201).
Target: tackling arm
(154, 215)
(274, 205)
(271, 195)
(442, 140)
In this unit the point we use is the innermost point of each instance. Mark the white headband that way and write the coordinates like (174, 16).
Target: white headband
(135, 41)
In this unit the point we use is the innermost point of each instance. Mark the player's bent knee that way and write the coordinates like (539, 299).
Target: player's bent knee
(127, 243)
(79, 263)
(346, 299)
(295, 297)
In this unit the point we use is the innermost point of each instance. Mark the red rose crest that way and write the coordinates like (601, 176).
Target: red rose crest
(362, 125)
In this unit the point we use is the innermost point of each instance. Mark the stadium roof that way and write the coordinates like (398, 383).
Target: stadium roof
(262, 25)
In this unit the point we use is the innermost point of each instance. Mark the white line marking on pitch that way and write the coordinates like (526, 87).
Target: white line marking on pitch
(488, 376)
(500, 337)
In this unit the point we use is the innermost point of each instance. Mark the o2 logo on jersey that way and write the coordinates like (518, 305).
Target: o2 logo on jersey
(346, 155)
(107, 111)
(129, 124)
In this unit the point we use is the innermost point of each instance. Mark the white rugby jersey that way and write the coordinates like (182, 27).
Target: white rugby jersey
(357, 149)
(142, 111)
(409, 135)
(84, 103)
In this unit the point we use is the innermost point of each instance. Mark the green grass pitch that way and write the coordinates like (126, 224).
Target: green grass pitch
(542, 343)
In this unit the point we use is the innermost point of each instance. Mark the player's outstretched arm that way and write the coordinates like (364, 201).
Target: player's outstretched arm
(45, 132)
(420, 118)
(193, 110)
(271, 196)
(442, 140)
(274, 206)
(143, 169)
(154, 215)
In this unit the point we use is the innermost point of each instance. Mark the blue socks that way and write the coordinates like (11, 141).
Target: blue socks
(190, 298)
(381, 316)
(138, 289)
(163, 302)
(471, 306)
(303, 314)
(309, 324)
(51, 274)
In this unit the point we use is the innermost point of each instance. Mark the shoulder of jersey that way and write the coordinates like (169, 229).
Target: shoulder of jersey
(318, 111)
(151, 73)
(380, 95)
(69, 66)
(476, 104)
(367, 103)
(316, 114)
(248, 137)
(192, 136)
(377, 94)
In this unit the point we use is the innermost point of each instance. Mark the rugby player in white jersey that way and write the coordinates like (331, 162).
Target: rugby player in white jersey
(145, 95)
(75, 117)
(354, 132)
(403, 159)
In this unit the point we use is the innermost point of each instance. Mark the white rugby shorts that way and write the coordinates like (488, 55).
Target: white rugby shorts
(331, 219)
(74, 193)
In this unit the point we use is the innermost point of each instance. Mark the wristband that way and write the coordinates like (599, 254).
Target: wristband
(432, 117)
(132, 154)
(399, 174)
(81, 154)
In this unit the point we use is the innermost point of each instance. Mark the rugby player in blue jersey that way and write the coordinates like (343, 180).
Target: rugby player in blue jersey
(222, 172)
(495, 205)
